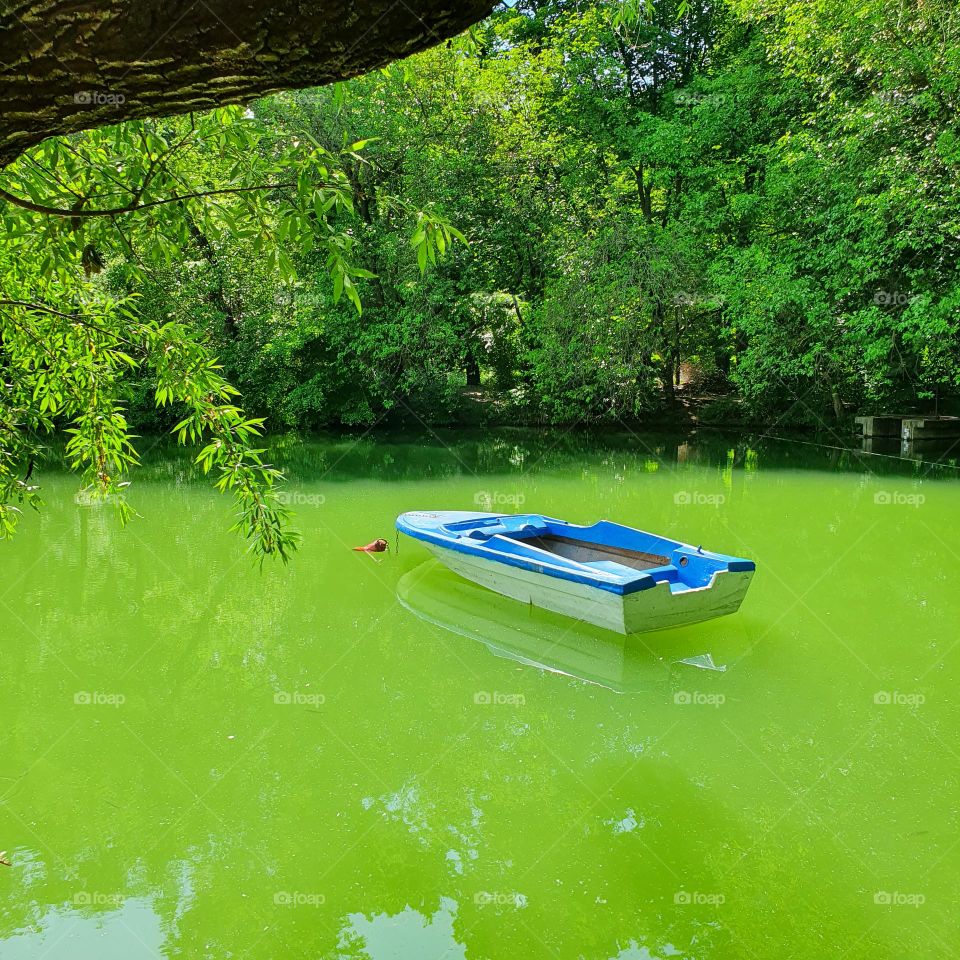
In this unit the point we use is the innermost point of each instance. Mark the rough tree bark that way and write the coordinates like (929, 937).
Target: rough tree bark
(69, 65)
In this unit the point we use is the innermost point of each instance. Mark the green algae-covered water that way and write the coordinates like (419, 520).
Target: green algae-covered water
(363, 756)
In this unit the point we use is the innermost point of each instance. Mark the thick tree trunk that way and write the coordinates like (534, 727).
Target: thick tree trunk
(69, 65)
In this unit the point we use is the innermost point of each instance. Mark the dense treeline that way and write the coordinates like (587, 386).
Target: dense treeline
(765, 191)
(563, 216)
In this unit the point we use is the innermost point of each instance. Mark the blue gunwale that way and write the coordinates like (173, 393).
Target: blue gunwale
(500, 538)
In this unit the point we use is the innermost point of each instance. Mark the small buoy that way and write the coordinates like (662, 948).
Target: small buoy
(378, 546)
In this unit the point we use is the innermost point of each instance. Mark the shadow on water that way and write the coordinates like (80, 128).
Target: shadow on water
(457, 453)
(441, 454)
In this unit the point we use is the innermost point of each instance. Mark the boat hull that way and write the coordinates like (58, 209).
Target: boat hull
(655, 609)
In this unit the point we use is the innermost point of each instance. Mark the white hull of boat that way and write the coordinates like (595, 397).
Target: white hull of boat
(657, 608)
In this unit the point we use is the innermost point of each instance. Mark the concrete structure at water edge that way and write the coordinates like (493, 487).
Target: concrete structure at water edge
(910, 427)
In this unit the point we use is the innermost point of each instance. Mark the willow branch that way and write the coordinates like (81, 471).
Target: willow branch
(135, 204)
(72, 317)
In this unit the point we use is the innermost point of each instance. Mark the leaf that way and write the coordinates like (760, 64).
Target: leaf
(360, 144)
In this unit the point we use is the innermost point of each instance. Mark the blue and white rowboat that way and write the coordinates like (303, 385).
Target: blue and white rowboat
(606, 574)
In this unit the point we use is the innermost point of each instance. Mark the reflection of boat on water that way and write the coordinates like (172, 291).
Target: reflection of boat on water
(550, 641)
(527, 635)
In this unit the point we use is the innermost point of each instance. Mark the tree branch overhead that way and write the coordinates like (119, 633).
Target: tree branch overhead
(67, 66)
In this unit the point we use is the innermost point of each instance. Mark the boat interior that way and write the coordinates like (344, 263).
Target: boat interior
(584, 552)
(533, 536)
(604, 557)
